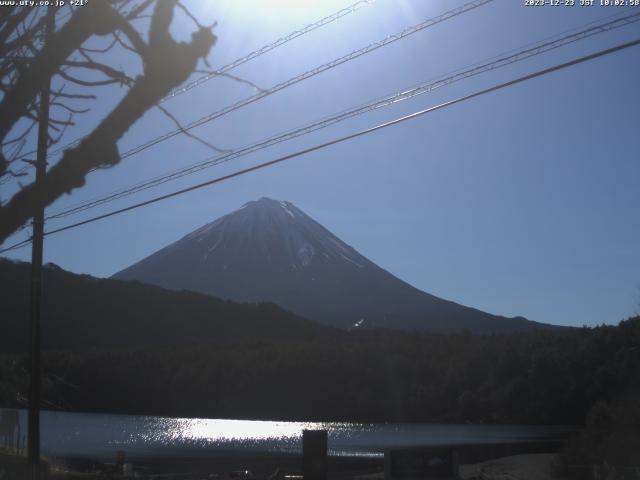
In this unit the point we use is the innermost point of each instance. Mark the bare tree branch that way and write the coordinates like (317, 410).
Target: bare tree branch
(135, 13)
(95, 18)
(88, 83)
(76, 96)
(188, 133)
(70, 109)
(116, 75)
(167, 64)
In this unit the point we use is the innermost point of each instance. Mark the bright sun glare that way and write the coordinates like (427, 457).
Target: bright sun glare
(270, 11)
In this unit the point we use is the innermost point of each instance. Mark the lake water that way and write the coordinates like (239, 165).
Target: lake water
(99, 436)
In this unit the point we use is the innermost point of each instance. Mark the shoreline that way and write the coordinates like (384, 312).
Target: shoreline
(217, 465)
(537, 466)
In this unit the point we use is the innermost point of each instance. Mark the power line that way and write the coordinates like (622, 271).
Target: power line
(360, 133)
(228, 67)
(16, 246)
(267, 48)
(309, 74)
(294, 80)
(303, 76)
(420, 89)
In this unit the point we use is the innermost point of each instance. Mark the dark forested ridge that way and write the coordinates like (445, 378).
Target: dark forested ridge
(369, 376)
(222, 359)
(81, 312)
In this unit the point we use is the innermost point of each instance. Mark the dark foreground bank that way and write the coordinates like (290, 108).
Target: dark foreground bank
(222, 465)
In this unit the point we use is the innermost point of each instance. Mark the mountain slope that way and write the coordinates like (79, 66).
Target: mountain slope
(271, 250)
(80, 312)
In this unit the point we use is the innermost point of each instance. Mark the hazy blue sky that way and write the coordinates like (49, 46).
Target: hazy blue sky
(522, 202)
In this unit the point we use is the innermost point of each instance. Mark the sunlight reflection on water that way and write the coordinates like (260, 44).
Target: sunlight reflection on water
(100, 435)
(252, 434)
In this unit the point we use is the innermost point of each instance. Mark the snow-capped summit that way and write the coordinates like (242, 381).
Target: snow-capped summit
(270, 250)
(267, 235)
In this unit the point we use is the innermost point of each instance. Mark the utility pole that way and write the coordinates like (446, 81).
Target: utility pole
(35, 366)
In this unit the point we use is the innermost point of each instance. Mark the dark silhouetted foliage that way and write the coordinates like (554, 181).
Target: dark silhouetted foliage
(146, 350)
(608, 446)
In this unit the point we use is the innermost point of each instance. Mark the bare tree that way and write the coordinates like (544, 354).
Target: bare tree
(27, 62)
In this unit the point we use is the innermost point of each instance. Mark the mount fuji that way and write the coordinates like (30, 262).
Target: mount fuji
(270, 250)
